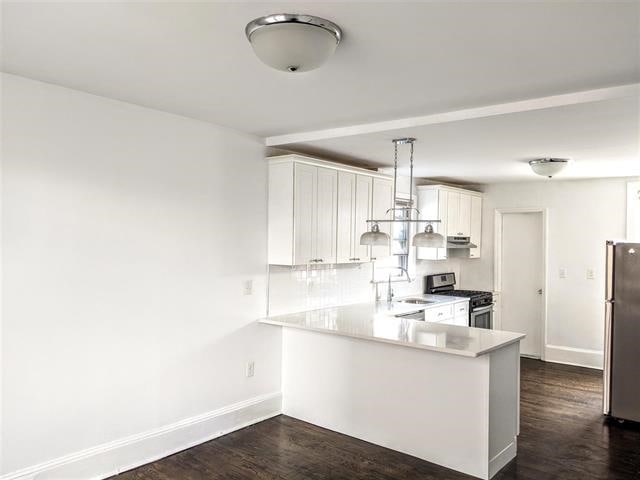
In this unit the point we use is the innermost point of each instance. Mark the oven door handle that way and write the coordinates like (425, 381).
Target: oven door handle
(483, 309)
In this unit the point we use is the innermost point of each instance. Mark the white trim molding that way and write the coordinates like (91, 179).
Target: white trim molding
(497, 261)
(580, 357)
(120, 455)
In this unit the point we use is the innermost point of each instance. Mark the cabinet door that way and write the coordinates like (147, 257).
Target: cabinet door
(362, 213)
(346, 216)
(441, 228)
(305, 185)
(326, 215)
(464, 215)
(476, 226)
(453, 210)
(382, 202)
(432, 204)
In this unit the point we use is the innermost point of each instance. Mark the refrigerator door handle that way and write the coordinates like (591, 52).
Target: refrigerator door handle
(606, 394)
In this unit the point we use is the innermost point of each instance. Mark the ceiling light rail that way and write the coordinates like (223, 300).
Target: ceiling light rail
(429, 238)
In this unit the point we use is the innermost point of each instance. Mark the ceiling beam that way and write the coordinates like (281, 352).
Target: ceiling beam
(554, 101)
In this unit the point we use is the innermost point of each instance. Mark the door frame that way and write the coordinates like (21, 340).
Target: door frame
(497, 262)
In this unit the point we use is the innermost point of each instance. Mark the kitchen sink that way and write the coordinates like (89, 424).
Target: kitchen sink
(416, 301)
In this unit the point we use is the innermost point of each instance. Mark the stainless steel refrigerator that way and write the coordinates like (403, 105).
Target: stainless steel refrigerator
(622, 332)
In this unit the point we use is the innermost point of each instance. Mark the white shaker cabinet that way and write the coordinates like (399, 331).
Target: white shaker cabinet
(382, 202)
(476, 226)
(318, 210)
(315, 210)
(326, 211)
(460, 214)
(354, 209)
(433, 205)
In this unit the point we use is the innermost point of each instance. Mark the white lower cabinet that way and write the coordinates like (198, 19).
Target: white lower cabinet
(451, 314)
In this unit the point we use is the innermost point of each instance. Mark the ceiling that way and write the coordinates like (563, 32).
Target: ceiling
(397, 60)
(601, 138)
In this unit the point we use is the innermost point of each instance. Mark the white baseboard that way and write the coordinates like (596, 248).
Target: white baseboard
(124, 454)
(502, 458)
(581, 357)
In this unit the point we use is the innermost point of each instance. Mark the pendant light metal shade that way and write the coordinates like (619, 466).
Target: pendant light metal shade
(428, 238)
(291, 42)
(375, 237)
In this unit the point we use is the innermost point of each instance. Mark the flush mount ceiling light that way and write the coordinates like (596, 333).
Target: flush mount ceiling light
(548, 167)
(293, 42)
(428, 238)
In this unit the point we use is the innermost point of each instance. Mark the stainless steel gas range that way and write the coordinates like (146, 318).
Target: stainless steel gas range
(480, 303)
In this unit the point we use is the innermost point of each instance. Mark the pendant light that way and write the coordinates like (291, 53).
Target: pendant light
(428, 238)
(292, 42)
(375, 237)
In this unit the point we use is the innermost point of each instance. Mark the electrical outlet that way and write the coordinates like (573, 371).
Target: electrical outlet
(591, 274)
(251, 368)
(563, 273)
(247, 287)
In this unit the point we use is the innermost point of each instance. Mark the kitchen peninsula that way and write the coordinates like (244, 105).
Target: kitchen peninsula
(365, 372)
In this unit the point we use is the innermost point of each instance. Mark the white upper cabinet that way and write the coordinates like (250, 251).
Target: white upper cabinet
(306, 181)
(460, 213)
(362, 213)
(318, 210)
(433, 205)
(326, 215)
(476, 225)
(354, 209)
(346, 216)
(382, 202)
(453, 213)
(464, 215)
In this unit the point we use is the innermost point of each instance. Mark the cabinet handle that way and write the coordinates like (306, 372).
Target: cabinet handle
(355, 259)
(440, 314)
(319, 260)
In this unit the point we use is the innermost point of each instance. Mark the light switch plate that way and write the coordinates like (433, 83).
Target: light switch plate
(247, 287)
(591, 274)
(251, 369)
(563, 273)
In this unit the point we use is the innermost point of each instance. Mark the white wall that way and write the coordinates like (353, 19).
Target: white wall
(582, 215)
(127, 234)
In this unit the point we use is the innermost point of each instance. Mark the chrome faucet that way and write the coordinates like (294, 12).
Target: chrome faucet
(389, 289)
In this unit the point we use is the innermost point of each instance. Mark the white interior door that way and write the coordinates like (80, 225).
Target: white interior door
(522, 279)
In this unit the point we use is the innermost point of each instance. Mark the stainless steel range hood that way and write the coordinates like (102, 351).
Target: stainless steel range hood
(460, 242)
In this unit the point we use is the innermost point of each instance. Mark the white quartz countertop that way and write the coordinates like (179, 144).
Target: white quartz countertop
(376, 322)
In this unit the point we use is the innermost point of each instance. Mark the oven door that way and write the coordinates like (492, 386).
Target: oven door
(482, 317)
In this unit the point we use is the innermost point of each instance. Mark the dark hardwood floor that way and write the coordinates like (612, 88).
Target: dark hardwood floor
(563, 436)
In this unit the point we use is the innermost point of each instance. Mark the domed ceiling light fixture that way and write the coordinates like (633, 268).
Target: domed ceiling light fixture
(428, 238)
(548, 167)
(292, 42)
